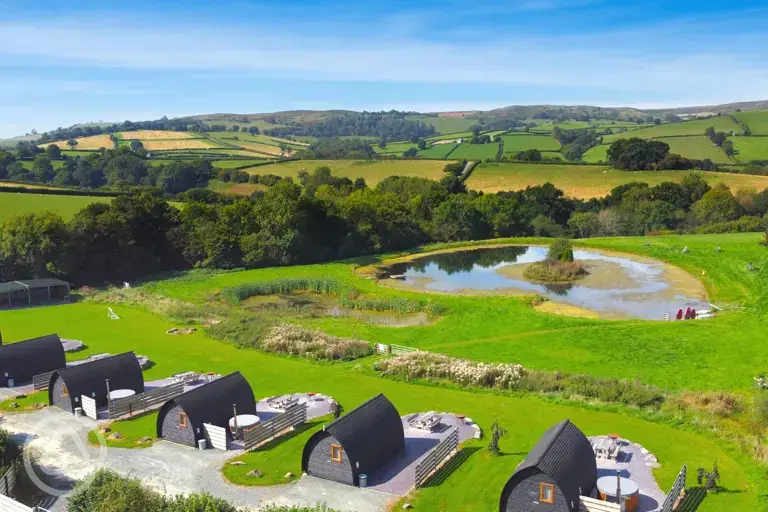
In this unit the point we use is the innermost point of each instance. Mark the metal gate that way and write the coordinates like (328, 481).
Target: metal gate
(677, 488)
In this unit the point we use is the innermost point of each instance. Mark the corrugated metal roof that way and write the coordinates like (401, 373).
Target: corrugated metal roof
(372, 434)
(212, 402)
(565, 455)
(25, 359)
(89, 379)
(13, 286)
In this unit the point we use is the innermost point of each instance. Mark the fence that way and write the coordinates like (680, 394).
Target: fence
(216, 436)
(594, 505)
(41, 381)
(10, 505)
(677, 488)
(144, 401)
(293, 416)
(381, 348)
(436, 458)
(8, 481)
(89, 407)
(400, 349)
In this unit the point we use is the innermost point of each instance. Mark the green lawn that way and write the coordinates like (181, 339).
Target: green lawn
(25, 404)
(446, 124)
(596, 154)
(757, 120)
(567, 125)
(585, 181)
(474, 486)
(750, 148)
(396, 148)
(523, 141)
(372, 170)
(438, 151)
(450, 136)
(475, 151)
(67, 206)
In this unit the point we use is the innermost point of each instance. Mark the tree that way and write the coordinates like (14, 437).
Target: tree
(72, 143)
(410, 153)
(727, 146)
(422, 144)
(31, 245)
(710, 479)
(636, 154)
(382, 143)
(42, 169)
(136, 145)
(53, 152)
(497, 432)
(584, 224)
(253, 130)
(455, 168)
(717, 205)
(710, 132)
(560, 250)
(336, 409)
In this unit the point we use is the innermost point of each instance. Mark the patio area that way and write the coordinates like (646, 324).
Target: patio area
(633, 462)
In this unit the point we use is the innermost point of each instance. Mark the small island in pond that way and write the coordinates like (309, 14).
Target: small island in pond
(558, 267)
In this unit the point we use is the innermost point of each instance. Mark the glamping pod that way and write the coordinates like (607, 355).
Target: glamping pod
(89, 379)
(23, 360)
(559, 469)
(181, 419)
(362, 441)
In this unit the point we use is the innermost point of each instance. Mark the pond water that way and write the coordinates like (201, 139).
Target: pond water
(617, 286)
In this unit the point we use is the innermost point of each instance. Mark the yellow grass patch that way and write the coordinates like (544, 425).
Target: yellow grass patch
(262, 148)
(242, 189)
(168, 145)
(286, 141)
(559, 308)
(90, 143)
(155, 135)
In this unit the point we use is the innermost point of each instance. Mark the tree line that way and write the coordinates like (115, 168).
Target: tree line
(392, 126)
(116, 168)
(326, 218)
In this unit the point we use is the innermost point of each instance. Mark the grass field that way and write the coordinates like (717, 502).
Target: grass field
(683, 128)
(596, 154)
(567, 125)
(145, 135)
(445, 124)
(585, 181)
(395, 148)
(178, 144)
(232, 163)
(372, 170)
(237, 138)
(757, 120)
(497, 328)
(517, 143)
(697, 147)
(87, 143)
(449, 136)
(475, 151)
(437, 151)
(750, 148)
(67, 206)
(56, 164)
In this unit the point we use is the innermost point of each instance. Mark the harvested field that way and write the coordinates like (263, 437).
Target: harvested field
(85, 143)
(265, 149)
(156, 135)
(373, 171)
(174, 145)
(586, 181)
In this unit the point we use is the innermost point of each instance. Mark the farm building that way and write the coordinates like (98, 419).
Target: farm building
(23, 360)
(360, 442)
(559, 469)
(90, 379)
(36, 291)
(181, 419)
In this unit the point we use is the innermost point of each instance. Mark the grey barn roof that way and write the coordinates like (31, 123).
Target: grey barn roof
(14, 286)
(372, 434)
(212, 402)
(122, 370)
(23, 360)
(566, 456)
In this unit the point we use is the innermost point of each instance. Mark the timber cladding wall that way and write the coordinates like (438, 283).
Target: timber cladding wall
(319, 462)
(175, 430)
(525, 495)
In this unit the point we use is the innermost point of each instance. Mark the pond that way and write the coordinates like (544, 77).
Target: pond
(617, 286)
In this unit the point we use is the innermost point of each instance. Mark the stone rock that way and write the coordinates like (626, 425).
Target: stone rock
(407, 506)
(175, 330)
(115, 436)
(651, 458)
(288, 475)
(14, 405)
(255, 473)
(145, 439)
(237, 463)
(644, 451)
(39, 405)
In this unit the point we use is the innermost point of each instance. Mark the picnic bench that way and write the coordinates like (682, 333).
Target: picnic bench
(607, 447)
(427, 421)
(185, 377)
(281, 403)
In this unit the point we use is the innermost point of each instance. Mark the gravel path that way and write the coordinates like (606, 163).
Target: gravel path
(59, 443)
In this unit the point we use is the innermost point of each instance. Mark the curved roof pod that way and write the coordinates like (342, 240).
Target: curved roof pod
(371, 435)
(212, 403)
(89, 379)
(23, 360)
(565, 455)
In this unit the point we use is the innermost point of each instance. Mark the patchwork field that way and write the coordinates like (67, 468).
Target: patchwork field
(693, 127)
(12, 204)
(449, 136)
(445, 124)
(596, 154)
(155, 135)
(523, 141)
(475, 151)
(757, 120)
(92, 143)
(585, 181)
(394, 148)
(372, 170)
(750, 148)
(438, 151)
(178, 144)
(698, 147)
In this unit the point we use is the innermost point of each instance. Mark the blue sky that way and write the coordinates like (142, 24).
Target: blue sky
(68, 62)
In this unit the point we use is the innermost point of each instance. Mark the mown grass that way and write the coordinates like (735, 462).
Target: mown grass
(757, 120)
(475, 151)
(24, 404)
(585, 181)
(438, 151)
(719, 354)
(693, 127)
(750, 148)
(131, 430)
(521, 142)
(12, 204)
(696, 147)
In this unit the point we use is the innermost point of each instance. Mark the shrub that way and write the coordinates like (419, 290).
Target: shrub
(316, 345)
(554, 271)
(560, 250)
